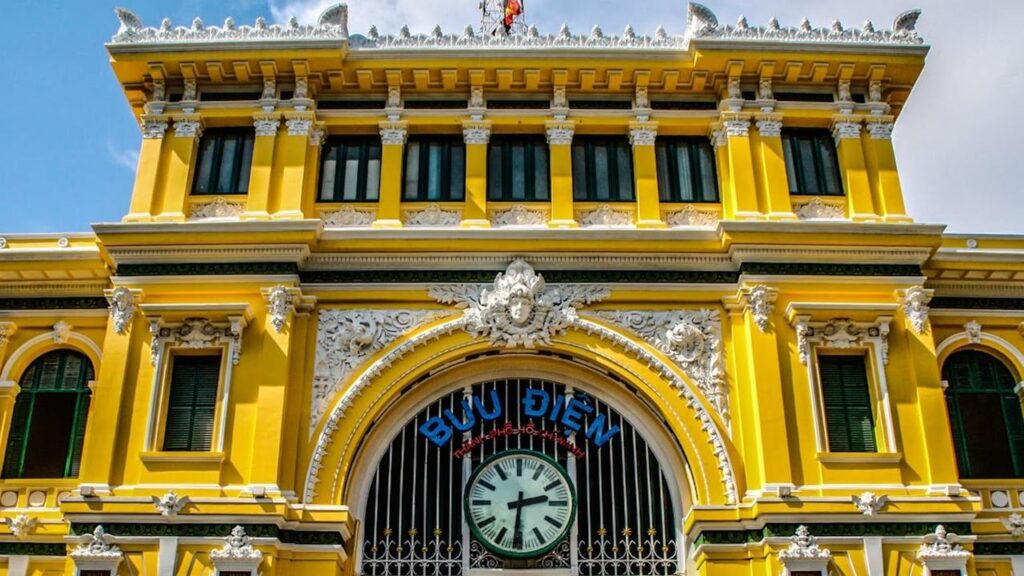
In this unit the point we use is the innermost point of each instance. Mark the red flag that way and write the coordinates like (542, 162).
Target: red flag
(513, 8)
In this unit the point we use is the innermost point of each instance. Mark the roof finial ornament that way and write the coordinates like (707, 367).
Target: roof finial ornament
(805, 25)
(869, 28)
(837, 27)
(130, 22)
(741, 24)
(906, 23)
(699, 19)
(336, 15)
(773, 24)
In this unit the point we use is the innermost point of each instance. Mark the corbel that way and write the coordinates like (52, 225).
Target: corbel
(877, 105)
(393, 78)
(243, 73)
(587, 79)
(765, 93)
(124, 303)
(791, 72)
(283, 303)
(733, 99)
(698, 81)
(216, 71)
(843, 89)
(758, 300)
(302, 98)
(421, 79)
(531, 78)
(819, 71)
(336, 80)
(190, 96)
(449, 78)
(7, 331)
(504, 77)
(157, 102)
(614, 80)
(364, 78)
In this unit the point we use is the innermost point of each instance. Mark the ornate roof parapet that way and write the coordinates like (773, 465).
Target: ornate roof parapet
(332, 25)
(701, 23)
(532, 39)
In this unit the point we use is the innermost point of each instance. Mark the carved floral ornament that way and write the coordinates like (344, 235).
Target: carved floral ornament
(21, 525)
(941, 552)
(1014, 524)
(348, 217)
(818, 209)
(237, 554)
(915, 306)
(760, 302)
(170, 503)
(197, 333)
(218, 209)
(804, 554)
(517, 310)
(842, 333)
(519, 215)
(606, 216)
(433, 216)
(97, 552)
(690, 216)
(869, 504)
(123, 305)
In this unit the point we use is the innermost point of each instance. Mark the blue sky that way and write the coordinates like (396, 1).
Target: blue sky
(67, 155)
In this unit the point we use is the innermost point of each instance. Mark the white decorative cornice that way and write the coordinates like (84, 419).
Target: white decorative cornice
(518, 309)
(915, 306)
(690, 216)
(21, 525)
(299, 126)
(476, 132)
(170, 504)
(533, 39)
(433, 216)
(188, 128)
(940, 552)
(197, 333)
(759, 301)
(845, 128)
(842, 333)
(519, 215)
(691, 338)
(869, 504)
(643, 133)
(218, 209)
(605, 216)
(393, 133)
(348, 217)
(122, 308)
(61, 332)
(769, 125)
(1014, 524)
(346, 339)
(973, 330)
(332, 25)
(559, 132)
(153, 129)
(266, 125)
(701, 23)
(818, 209)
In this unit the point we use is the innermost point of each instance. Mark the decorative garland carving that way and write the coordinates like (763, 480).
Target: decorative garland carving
(869, 504)
(219, 208)
(690, 216)
(818, 209)
(519, 309)
(170, 504)
(605, 215)
(519, 215)
(348, 217)
(691, 338)
(346, 339)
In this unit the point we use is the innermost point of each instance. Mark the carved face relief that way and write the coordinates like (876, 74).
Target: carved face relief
(519, 310)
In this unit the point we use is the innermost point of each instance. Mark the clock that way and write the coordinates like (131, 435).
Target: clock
(520, 504)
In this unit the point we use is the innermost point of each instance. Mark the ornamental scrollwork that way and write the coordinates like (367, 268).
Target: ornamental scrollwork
(519, 215)
(760, 302)
(348, 338)
(219, 208)
(170, 503)
(1014, 524)
(97, 546)
(348, 217)
(915, 307)
(691, 216)
(519, 309)
(332, 24)
(280, 304)
(197, 333)
(804, 546)
(869, 504)
(605, 215)
(21, 525)
(122, 308)
(691, 338)
(433, 216)
(237, 546)
(941, 547)
(842, 333)
(818, 209)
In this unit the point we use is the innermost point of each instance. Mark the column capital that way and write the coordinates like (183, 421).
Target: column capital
(394, 133)
(300, 124)
(716, 134)
(643, 133)
(154, 127)
(476, 132)
(880, 127)
(317, 134)
(266, 124)
(736, 124)
(769, 125)
(845, 127)
(188, 126)
(560, 131)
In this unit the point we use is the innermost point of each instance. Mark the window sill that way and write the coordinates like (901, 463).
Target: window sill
(860, 457)
(193, 457)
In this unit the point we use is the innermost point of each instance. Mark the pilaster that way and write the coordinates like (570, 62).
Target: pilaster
(739, 201)
(7, 331)
(477, 133)
(147, 175)
(393, 135)
(8, 392)
(260, 177)
(881, 160)
(294, 166)
(846, 130)
(188, 129)
(560, 134)
(775, 200)
(642, 136)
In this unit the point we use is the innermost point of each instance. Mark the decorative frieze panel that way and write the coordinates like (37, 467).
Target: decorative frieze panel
(197, 333)
(346, 339)
(519, 216)
(692, 217)
(433, 216)
(841, 334)
(348, 217)
(818, 209)
(605, 216)
(218, 209)
(691, 338)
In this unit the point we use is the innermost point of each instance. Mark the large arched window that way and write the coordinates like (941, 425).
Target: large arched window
(985, 415)
(48, 425)
(624, 518)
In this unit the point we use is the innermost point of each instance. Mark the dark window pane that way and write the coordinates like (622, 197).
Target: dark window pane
(225, 159)
(812, 165)
(191, 403)
(686, 170)
(435, 169)
(847, 399)
(350, 170)
(602, 169)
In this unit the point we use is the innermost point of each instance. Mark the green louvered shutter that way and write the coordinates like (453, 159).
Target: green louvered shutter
(16, 437)
(848, 417)
(191, 403)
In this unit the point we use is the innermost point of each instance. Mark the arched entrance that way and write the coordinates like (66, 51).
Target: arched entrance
(630, 478)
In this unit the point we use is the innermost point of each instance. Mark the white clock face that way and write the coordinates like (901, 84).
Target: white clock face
(520, 504)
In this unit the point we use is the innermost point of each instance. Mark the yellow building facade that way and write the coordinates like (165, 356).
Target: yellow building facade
(453, 304)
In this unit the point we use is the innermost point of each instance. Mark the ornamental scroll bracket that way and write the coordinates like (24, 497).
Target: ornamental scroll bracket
(124, 303)
(283, 303)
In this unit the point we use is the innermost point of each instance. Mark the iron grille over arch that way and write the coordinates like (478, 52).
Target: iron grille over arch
(627, 522)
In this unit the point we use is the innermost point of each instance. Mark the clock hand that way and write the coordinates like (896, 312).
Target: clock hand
(517, 536)
(527, 502)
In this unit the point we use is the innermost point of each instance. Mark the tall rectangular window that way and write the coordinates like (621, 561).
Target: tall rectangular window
(602, 169)
(191, 403)
(435, 169)
(847, 400)
(686, 170)
(350, 170)
(225, 159)
(517, 169)
(812, 165)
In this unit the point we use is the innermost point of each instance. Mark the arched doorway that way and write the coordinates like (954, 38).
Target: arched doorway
(628, 498)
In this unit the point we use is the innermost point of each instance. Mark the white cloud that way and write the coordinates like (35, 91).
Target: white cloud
(957, 139)
(127, 158)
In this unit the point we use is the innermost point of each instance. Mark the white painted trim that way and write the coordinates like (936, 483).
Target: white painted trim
(959, 337)
(27, 347)
(17, 565)
(1017, 565)
(873, 556)
(168, 556)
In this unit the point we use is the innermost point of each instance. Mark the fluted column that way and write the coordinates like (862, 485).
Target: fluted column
(477, 134)
(560, 134)
(642, 136)
(393, 135)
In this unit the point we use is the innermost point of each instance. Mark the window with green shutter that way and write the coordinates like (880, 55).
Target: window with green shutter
(847, 399)
(984, 415)
(602, 169)
(812, 165)
(191, 403)
(49, 417)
